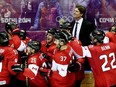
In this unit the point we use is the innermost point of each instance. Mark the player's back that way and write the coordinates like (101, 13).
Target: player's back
(10, 57)
(103, 64)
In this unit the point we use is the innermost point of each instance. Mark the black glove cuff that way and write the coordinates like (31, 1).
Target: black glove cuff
(73, 67)
(1, 57)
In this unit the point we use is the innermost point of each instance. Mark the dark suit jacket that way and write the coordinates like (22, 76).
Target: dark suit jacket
(84, 35)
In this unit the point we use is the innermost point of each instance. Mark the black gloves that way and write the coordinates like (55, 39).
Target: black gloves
(45, 55)
(73, 67)
(45, 72)
(24, 58)
(1, 57)
(47, 45)
(18, 68)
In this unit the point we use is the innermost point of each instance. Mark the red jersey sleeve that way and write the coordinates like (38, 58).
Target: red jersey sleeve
(111, 36)
(12, 57)
(18, 43)
(76, 46)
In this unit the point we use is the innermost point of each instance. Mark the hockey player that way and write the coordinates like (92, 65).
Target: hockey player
(20, 78)
(17, 42)
(13, 31)
(33, 65)
(78, 60)
(61, 60)
(23, 36)
(48, 45)
(102, 60)
(8, 57)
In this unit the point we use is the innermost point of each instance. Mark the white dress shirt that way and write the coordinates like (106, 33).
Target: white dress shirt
(78, 28)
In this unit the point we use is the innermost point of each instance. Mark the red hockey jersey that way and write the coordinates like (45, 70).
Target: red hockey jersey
(10, 58)
(102, 59)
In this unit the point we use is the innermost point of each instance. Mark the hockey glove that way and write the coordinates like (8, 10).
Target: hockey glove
(46, 56)
(73, 67)
(1, 57)
(45, 72)
(24, 57)
(18, 68)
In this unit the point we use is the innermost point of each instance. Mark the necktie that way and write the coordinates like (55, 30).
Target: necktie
(75, 29)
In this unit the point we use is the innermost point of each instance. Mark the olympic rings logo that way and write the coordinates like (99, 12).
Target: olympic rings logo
(64, 18)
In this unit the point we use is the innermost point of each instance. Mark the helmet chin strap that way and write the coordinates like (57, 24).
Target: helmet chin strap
(97, 42)
(59, 47)
(49, 43)
(62, 47)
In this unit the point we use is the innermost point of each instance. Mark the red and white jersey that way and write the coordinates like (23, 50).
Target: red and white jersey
(102, 59)
(76, 46)
(48, 50)
(20, 75)
(111, 36)
(10, 58)
(17, 43)
(61, 76)
(32, 71)
(43, 46)
(27, 39)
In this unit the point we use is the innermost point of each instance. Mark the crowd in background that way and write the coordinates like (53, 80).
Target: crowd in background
(41, 11)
